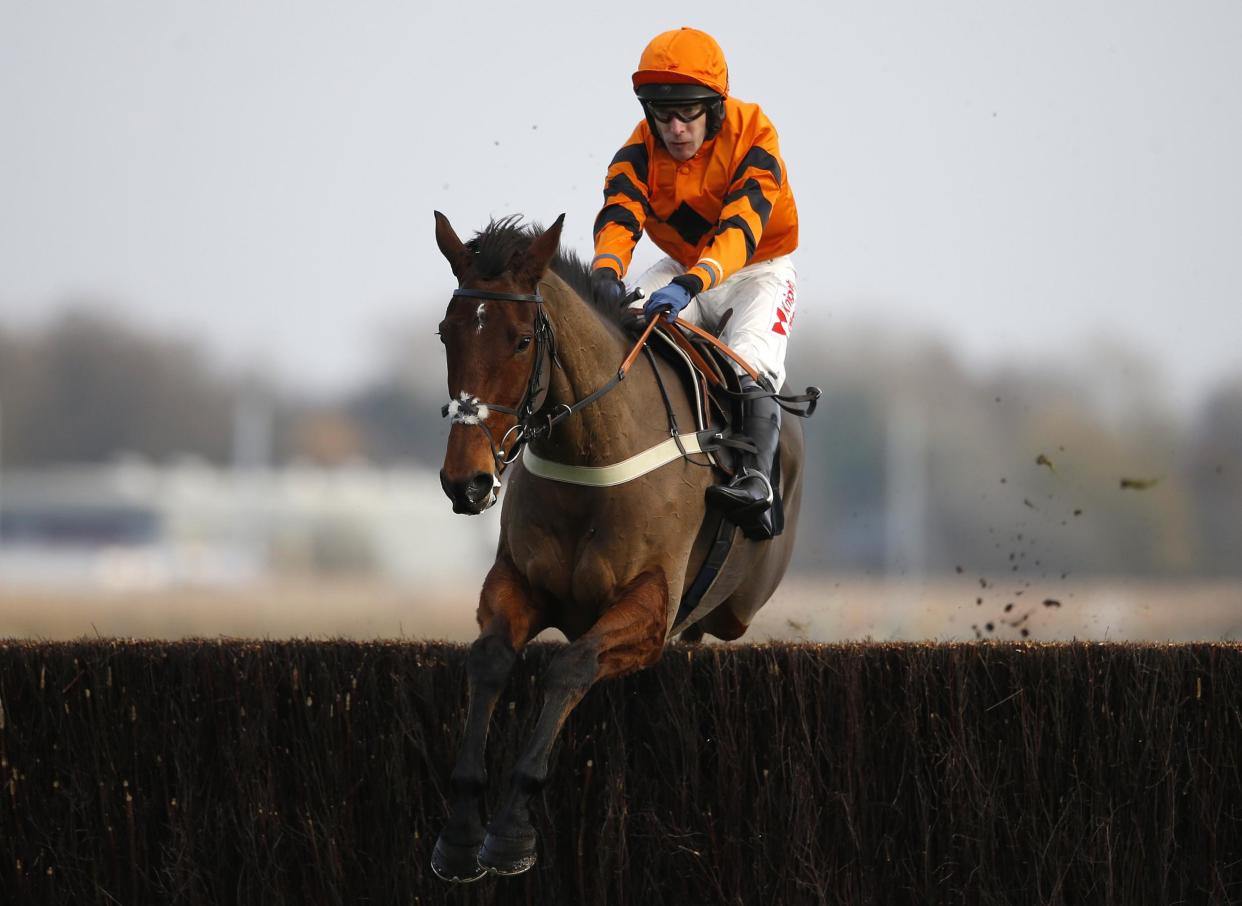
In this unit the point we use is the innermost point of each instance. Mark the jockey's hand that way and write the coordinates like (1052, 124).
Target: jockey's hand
(607, 287)
(668, 301)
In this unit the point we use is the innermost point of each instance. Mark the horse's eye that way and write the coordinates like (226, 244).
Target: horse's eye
(523, 344)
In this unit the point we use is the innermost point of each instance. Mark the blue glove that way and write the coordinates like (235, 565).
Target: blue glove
(670, 300)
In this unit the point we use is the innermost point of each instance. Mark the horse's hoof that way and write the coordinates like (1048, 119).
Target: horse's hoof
(456, 863)
(507, 856)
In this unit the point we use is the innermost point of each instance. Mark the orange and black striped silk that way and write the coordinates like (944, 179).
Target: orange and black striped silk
(728, 206)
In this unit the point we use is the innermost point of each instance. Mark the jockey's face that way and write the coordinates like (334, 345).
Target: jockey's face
(683, 139)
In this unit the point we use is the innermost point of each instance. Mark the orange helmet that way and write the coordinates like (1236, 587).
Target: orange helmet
(683, 57)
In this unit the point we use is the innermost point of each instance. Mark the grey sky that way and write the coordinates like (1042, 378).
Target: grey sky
(1014, 176)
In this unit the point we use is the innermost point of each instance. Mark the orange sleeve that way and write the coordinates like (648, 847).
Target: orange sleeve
(620, 223)
(753, 190)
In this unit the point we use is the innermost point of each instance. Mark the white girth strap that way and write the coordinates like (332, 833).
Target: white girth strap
(618, 473)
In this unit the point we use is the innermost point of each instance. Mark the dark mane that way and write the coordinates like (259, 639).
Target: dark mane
(495, 245)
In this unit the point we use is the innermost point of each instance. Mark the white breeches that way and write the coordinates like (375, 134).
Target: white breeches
(763, 297)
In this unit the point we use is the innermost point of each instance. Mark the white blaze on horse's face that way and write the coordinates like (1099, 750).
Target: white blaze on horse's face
(478, 317)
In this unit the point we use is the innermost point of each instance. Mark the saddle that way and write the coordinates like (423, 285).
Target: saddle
(706, 368)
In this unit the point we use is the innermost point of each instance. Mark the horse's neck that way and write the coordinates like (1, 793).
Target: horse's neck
(590, 352)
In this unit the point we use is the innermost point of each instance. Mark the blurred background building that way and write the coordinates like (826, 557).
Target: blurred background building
(130, 468)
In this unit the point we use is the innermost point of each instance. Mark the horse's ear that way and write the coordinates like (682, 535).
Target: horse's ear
(451, 247)
(529, 268)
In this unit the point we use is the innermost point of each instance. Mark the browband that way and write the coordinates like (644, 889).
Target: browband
(501, 297)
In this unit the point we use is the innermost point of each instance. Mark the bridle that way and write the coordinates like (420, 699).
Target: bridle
(533, 422)
(469, 410)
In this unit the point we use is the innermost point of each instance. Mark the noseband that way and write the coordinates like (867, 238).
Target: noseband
(470, 410)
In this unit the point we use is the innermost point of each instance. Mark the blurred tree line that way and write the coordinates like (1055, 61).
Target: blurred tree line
(917, 463)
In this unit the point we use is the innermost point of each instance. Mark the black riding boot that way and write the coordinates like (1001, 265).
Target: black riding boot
(747, 499)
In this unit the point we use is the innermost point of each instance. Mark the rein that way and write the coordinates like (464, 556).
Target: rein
(532, 422)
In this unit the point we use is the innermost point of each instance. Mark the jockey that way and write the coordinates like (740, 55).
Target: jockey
(702, 175)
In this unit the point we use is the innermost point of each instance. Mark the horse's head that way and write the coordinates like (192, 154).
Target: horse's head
(497, 343)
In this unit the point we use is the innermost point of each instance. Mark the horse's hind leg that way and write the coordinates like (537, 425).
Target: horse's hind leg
(692, 634)
(506, 617)
(629, 635)
(723, 623)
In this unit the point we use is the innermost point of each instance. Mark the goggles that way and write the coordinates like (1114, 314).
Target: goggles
(686, 112)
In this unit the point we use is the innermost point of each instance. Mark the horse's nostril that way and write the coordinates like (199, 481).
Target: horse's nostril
(479, 487)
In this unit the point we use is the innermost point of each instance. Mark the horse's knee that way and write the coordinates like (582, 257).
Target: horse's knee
(573, 669)
(489, 662)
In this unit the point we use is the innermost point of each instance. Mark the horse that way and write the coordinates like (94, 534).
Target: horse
(533, 362)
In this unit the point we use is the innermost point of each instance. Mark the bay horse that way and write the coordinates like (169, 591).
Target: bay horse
(607, 566)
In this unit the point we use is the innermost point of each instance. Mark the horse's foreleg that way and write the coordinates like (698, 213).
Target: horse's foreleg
(507, 620)
(629, 635)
